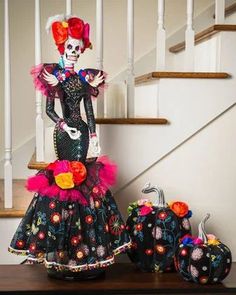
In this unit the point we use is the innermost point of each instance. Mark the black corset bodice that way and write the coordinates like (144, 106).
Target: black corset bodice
(73, 91)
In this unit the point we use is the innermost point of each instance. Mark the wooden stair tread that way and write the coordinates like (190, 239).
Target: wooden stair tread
(130, 121)
(185, 75)
(35, 165)
(21, 199)
(203, 35)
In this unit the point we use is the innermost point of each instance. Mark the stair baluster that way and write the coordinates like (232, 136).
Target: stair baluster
(68, 7)
(161, 37)
(99, 52)
(219, 12)
(7, 113)
(39, 117)
(189, 38)
(130, 52)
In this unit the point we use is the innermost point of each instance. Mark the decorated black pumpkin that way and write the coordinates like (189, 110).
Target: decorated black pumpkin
(155, 231)
(204, 259)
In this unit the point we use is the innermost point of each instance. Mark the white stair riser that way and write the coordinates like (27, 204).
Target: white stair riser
(146, 100)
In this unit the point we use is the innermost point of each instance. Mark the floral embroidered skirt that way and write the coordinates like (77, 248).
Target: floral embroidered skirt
(70, 235)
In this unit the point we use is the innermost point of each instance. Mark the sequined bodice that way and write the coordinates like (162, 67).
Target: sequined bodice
(71, 92)
(74, 91)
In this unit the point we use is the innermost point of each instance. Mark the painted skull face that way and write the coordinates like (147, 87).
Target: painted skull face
(72, 50)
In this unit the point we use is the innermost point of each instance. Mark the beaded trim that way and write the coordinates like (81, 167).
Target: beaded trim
(76, 268)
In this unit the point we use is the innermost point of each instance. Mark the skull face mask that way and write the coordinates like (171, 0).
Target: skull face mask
(72, 51)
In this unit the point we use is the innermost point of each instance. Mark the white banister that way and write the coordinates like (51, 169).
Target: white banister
(161, 37)
(7, 113)
(130, 69)
(219, 11)
(99, 51)
(189, 38)
(39, 117)
(68, 7)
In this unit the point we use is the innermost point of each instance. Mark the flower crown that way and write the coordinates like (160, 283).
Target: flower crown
(64, 27)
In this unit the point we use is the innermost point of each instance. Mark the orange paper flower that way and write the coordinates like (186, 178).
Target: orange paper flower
(179, 208)
(79, 172)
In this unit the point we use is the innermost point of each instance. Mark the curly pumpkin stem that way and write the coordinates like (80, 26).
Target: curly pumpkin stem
(201, 229)
(148, 188)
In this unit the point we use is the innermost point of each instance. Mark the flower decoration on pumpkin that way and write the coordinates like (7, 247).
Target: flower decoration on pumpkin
(180, 209)
(68, 174)
(212, 240)
(145, 210)
(191, 240)
(145, 204)
(63, 28)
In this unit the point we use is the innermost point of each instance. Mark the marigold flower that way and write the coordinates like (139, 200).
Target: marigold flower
(79, 172)
(179, 208)
(65, 180)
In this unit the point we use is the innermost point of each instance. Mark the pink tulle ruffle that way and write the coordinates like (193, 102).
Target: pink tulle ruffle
(38, 84)
(106, 178)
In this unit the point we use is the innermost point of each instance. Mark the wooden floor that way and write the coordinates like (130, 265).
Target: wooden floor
(21, 199)
(120, 278)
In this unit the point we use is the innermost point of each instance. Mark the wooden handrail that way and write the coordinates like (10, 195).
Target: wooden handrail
(203, 35)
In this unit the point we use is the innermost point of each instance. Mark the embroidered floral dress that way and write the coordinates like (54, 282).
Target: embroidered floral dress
(73, 222)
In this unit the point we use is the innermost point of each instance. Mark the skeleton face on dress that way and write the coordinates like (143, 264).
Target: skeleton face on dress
(72, 51)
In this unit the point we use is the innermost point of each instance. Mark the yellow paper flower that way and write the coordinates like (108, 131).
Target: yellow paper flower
(65, 180)
(148, 204)
(64, 24)
(214, 242)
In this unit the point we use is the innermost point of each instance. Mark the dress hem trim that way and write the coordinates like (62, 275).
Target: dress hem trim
(74, 268)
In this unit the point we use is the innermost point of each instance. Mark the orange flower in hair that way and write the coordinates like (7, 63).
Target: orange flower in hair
(60, 33)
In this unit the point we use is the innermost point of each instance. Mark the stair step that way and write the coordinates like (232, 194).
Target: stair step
(21, 199)
(185, 75)
(128, 121)
(203, 35)
(35, 165)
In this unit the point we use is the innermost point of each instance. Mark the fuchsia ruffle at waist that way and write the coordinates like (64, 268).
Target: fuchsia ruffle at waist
(100, 176)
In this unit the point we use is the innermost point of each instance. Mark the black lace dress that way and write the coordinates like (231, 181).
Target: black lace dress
(74, 229)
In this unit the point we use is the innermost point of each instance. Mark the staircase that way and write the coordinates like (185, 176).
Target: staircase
(178, 115)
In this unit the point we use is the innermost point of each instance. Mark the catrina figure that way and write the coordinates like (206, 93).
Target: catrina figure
(73, 224)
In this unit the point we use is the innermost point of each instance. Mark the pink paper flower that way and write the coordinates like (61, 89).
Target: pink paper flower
(145, 210)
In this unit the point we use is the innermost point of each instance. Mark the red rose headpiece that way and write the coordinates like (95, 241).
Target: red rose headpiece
(73, 27)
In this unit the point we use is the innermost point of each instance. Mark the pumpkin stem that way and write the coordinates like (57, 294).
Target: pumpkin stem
(201, 229)
(148, 188)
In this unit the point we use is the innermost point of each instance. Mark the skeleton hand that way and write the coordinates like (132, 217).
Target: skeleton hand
(95, 81)
(72, 132)
(95, 147)
(51, 79)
